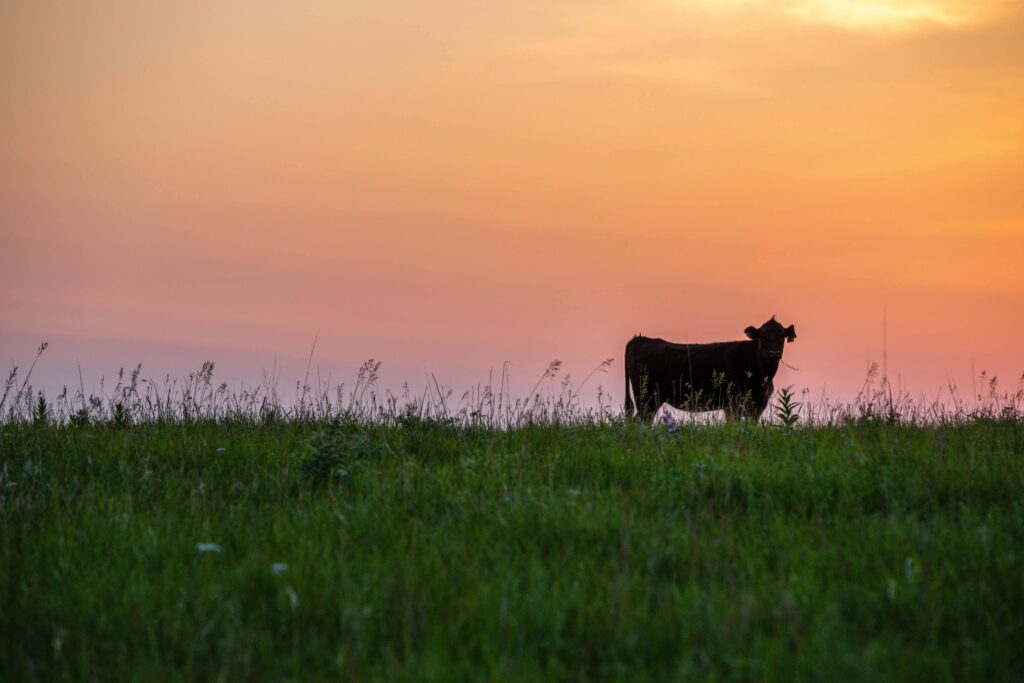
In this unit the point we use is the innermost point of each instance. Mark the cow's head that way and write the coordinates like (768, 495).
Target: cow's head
(770, 338)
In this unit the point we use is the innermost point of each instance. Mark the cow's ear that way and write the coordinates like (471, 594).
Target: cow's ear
(751, 332)
(790, 333)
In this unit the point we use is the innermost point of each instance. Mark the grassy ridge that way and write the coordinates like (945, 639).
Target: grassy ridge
(425, 551)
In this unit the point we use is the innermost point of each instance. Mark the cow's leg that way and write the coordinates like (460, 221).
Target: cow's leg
(749, 409)
(758, 408)
(644, 412)
(646, 401)
(732, 403)
(647, 407)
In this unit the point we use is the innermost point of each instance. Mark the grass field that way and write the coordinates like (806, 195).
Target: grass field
(420, 550)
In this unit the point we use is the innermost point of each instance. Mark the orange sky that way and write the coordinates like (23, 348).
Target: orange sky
(452, 184)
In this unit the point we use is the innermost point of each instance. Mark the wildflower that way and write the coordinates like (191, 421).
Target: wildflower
(278, 567)
(669, 423)
(208, 548)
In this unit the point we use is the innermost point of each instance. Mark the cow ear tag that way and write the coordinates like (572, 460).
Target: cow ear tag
(751, 332)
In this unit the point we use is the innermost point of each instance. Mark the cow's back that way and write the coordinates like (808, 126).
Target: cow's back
(692, 362)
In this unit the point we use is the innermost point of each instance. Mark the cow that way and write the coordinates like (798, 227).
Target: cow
(734, 376)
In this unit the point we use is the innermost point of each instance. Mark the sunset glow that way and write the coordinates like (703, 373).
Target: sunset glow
(450, 185)
(893, 15)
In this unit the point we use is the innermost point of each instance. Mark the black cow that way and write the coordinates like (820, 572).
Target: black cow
(735, 376)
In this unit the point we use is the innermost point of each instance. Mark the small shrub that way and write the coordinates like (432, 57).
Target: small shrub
(80, 418)
(120, 417)
(41, 411)
(331, 453)
(431, 439)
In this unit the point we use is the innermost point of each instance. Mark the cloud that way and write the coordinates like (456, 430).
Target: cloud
(893, 15)
(879, 16)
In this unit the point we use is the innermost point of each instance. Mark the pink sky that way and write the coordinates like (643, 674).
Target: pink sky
(447, 186)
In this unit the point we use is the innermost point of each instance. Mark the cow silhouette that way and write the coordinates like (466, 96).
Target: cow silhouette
(734, 376)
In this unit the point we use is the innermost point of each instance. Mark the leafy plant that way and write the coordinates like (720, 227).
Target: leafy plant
(787, 411)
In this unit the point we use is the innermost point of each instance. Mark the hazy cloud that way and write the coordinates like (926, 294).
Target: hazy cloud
(892, 16)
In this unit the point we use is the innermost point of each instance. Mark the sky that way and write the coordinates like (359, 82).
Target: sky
(451, 185)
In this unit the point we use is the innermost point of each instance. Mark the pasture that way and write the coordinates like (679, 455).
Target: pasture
(423, 550)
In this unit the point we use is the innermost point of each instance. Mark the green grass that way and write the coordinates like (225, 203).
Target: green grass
(427, 552)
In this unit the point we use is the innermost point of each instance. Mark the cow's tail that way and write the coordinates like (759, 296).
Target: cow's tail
(626, 361)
